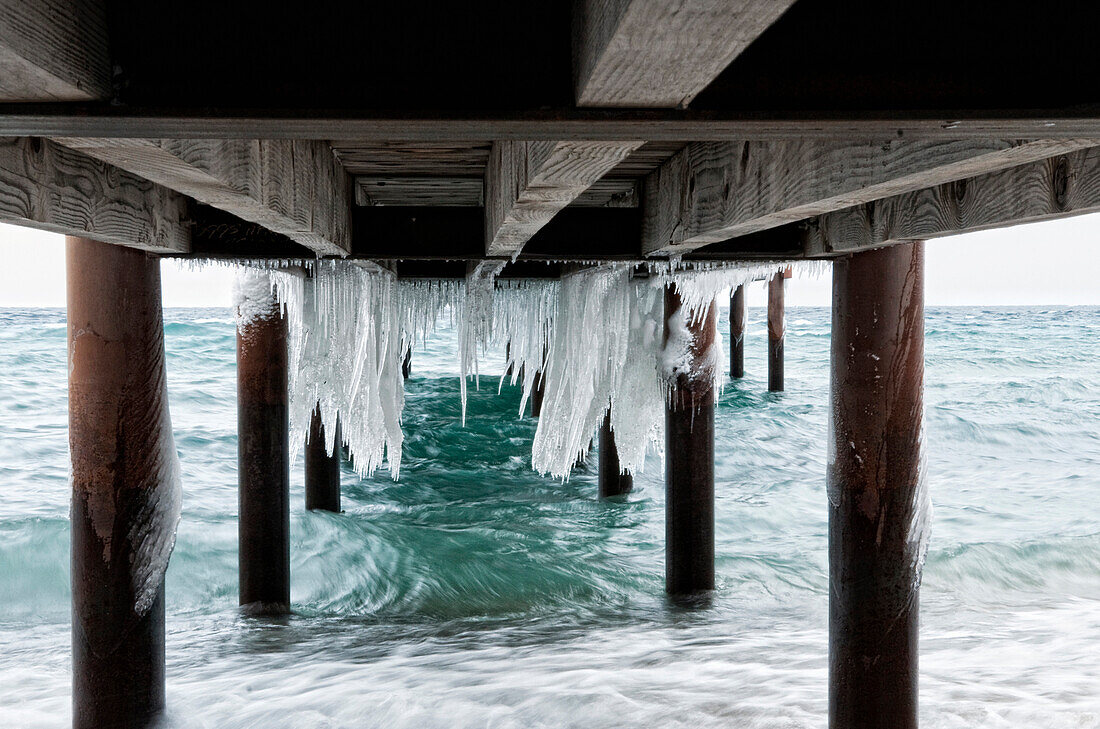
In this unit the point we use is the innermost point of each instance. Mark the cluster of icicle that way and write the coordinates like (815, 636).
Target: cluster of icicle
(596, 337)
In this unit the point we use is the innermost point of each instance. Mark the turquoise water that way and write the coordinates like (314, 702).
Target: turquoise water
(476, 594)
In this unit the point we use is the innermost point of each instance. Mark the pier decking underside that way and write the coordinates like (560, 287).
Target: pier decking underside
(428, 135)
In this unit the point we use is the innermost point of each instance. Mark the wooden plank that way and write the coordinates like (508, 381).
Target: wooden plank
(1051, 188)
(646, 158)
(54, 50)
(428, 191)
(44, 185)
(292, 187)
(610, 192)
(527, 183)
(653, 53)
(413, 159)
(711, 192)
(656, 125)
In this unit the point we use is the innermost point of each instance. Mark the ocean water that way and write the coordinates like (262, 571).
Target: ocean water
(476, 594)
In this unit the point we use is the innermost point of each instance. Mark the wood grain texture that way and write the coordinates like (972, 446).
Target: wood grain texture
(465, 192)
(711, 192)
(47, 186)
(655, 125)
(293, 187)
(646, 159)
(654, 53)
(1058, 187)
(413, 159)
(431, 191)
(527, 183)
(610, 192)
(54, 50)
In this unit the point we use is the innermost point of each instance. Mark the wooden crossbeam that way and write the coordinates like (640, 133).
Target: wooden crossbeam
(292, 187)
(527, 183)
(453, 192)
(47, 186)
(461, 192)
(709, 192)
(1052, 188)
(655, 125)
(632, 53)
(54, 50)
(653, 53)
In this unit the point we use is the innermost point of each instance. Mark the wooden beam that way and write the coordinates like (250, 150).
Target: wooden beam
(44, 185)
(454, 192)
(461, 192)
(1051, 188)
(527, 183)
(656, 125)
(709, 192)
(653, 53)
(610, 192)
(54, 50)
(293, 187)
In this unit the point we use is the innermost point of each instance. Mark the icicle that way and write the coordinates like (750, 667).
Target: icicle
(596, 335)
(350, 326)
(602, 344)
(523, 319)
(475, 321)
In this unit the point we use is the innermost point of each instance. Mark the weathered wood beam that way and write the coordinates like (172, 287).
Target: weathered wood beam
(611, 192)
(710, 192)
(451, 192)
(655, 125)
(527, 183)
(47, 186)
(1051, 188)
(470, 192)
(461, 192)
(293, 187)
(652, 53)
(627, 53)
(54, 50)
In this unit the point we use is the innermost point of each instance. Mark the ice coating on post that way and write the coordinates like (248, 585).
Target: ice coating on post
(154, 532)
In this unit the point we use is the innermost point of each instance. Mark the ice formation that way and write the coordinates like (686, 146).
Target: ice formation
(597, 336)
(350, 326)
(154, 530)
(476, 320)
(602, 354)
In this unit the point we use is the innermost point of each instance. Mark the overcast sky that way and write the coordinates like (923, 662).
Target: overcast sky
(1057, 262)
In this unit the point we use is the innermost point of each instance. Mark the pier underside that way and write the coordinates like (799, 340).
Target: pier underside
(502, 140)
(425, 136)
